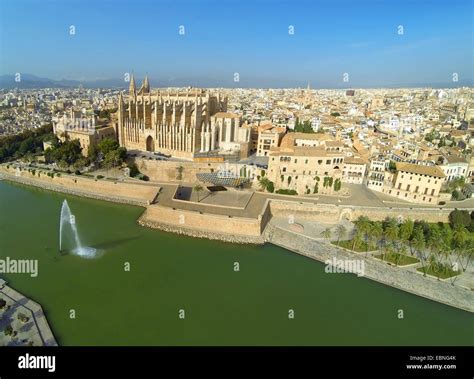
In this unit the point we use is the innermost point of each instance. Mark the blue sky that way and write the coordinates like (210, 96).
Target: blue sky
(249, 37)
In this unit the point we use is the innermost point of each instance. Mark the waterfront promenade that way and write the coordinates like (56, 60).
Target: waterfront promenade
(26, 318)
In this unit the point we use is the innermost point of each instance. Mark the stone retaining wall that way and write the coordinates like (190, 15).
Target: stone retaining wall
(119, 192)
(335, 213)
(202, 224)
(151, 222)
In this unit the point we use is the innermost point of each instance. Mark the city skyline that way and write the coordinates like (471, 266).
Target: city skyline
(407, 44)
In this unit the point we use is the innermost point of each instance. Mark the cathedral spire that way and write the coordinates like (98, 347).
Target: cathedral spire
(120, 101)
(133, 87)
(146, 84)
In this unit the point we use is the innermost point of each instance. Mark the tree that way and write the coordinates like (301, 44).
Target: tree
(392, 167)
(198, 188)
(81, 163)
(107, 145)
(356, 239)
(113, 159)
(68, 152)
(326, 233)
(263, 182)
(303, 127)
(362, 225)
(455, 194)
(337, 185)
(341, 232)
(460, 235)
(270, 186)
(459, 217)
(29, 141)
(406, 230)
(391, 231)
(93, 153)
(418, 241)
(376, 232)
(133, 170)
(434, 240)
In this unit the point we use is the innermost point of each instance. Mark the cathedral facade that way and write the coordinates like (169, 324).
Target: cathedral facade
(189, 124)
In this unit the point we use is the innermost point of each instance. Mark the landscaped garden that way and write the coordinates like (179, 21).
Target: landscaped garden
(444, 249)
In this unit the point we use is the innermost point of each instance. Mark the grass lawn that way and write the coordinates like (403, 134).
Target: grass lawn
(448, 273)
(360, 248)
(402, 259)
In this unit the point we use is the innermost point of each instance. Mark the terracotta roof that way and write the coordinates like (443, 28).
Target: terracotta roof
(354, 160)
(420, 169)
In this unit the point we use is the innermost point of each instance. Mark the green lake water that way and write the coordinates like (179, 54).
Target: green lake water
(169, 272)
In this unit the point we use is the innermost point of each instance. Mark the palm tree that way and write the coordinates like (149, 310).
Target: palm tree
(356, 239)
(405, 231)
(341, 231)
(263, 182)
(326, 233)
(198, 188)
(435, 240)
(375, 233)
(362, 225)
(418, 242)
(391, 231)
(459, 235)
(401, 252)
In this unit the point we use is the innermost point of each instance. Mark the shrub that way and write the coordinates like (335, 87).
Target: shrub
(133, 170)
(455, 195)
(77, 172)
(270, 187)
(100, 176)
(287, 192)
(8, 330)
(459, 217)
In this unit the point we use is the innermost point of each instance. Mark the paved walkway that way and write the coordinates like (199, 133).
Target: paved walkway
(35, 331)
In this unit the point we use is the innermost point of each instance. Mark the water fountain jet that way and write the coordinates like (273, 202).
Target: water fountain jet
(68, 219)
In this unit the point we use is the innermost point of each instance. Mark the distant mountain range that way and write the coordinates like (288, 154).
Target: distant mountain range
(32, 81)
